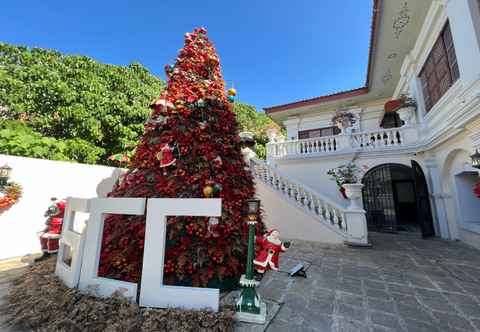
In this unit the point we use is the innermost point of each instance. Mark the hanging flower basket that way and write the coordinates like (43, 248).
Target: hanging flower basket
(343, 118)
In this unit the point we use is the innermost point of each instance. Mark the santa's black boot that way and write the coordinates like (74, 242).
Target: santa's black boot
(44, 256)
(259, 276)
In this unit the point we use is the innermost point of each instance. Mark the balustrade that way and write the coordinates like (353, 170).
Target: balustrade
(308, 199)
(366, 140)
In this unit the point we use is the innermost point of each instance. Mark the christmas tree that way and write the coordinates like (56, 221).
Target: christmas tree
(190, 149)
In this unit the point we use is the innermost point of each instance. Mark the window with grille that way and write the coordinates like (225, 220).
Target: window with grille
(320, 132)
(440, 70)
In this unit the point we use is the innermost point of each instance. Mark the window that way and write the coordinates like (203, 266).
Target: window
(391, 120)
(320, 132)
(440, 70)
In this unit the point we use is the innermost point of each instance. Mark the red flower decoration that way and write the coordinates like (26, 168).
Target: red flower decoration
(476, 189)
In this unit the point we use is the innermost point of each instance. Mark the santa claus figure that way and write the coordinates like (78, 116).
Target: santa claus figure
(248, 147)
(270, 248)
(50, 236)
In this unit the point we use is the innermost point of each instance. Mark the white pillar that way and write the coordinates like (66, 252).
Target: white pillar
(474, 132)
(344, 141)
(410, 134)
(438, 198)
(292, 127)
(356, 227)
(355, 216)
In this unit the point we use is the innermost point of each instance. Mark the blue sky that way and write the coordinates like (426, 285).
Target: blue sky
(275, 51)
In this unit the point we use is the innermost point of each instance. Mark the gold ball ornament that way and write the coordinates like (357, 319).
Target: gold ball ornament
(207, 191)
(232, 92)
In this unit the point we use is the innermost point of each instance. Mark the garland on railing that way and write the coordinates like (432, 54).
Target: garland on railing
(9, 195)
(476, 189)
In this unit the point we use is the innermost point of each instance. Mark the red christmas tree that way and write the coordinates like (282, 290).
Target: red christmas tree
(190, 149)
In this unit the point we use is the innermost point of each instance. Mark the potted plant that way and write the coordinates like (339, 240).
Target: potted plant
(343, 119)
(273, 132)
(406, 109)
(347, 178)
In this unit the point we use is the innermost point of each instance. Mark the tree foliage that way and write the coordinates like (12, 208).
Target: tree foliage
(94, 108)
(18, 139)
(255, 122)
(74, 108)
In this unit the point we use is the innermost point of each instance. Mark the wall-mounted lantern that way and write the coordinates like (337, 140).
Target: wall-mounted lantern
(476, 159)
(5, 172)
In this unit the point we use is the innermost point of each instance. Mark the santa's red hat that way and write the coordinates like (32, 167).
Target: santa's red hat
(61, 205)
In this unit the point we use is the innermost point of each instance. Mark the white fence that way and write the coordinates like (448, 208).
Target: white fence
(41, 180)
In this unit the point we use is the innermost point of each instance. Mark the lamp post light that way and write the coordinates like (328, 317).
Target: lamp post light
(5, 172)
(250, 307)
(476, 159)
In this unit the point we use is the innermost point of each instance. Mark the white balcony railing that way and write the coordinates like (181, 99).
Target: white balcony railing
(360, 141)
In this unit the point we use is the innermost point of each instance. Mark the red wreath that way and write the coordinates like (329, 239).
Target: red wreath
(476, 189)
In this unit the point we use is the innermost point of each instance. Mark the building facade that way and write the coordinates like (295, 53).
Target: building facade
(415, 153)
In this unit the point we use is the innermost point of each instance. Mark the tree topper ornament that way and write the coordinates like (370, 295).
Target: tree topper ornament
(270, 248)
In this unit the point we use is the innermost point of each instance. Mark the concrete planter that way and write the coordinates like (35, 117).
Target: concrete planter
(353, 191)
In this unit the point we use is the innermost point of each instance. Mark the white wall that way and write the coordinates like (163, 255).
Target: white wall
(41, 180)
(456, 178)
(369, 117)
(462, 14)
(292, 222)
(313, 172)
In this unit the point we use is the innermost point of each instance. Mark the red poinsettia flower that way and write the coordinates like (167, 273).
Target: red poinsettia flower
(476, 189)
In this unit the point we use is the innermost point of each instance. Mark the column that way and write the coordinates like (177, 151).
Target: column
(438, 197)
(292, 127)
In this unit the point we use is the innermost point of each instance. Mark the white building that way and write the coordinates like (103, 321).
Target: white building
(420, 176)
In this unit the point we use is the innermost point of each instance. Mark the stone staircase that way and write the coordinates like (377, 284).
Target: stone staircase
(317, 218)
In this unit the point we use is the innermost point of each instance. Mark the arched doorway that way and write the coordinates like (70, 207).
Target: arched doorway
(396, 199)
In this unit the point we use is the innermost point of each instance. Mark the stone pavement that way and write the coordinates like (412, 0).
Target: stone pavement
(403, 283)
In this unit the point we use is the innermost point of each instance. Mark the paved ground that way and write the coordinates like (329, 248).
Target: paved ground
(9, 270)
(402, 284)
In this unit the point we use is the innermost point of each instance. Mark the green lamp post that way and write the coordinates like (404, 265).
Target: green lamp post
(250, 307)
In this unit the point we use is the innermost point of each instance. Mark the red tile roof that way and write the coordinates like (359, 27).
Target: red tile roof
(341, 94)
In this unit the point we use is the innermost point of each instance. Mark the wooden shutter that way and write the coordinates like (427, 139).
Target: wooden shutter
(452, 57)
(440, 70)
